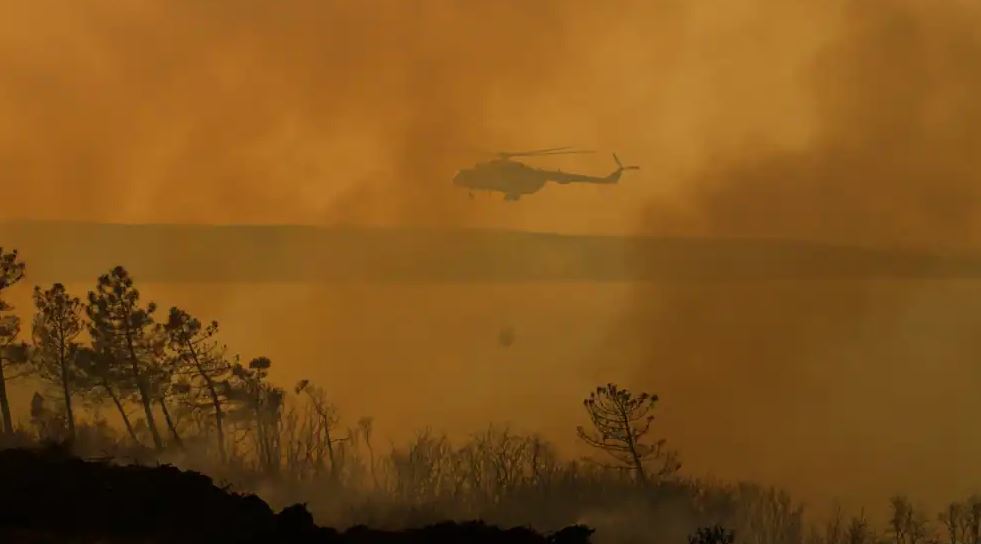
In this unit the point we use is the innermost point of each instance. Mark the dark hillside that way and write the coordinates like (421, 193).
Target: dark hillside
(254, 253)
(49, 496)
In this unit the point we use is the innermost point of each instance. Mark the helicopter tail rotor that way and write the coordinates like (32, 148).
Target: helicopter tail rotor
(615, 176)
(621, 167)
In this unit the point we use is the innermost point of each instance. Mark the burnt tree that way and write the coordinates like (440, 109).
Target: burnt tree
(256, 399)
(621, 422)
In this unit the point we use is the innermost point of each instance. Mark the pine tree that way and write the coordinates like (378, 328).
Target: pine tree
(126, 331)
(100, 376)
(622, 421)
(198, 355)
(263, 402)
(57, 324)
(11, 352)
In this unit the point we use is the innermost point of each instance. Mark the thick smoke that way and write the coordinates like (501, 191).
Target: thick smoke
(890, 158)
(833, 121)
(296, 112)
(849, 388)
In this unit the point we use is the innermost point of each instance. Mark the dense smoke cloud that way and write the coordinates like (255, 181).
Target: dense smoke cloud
(890, 157)
(320, 112)
(813, 382)
(832, 121)
(304, 111)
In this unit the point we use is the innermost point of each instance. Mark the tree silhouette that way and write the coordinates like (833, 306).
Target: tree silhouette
(57, 324)
(716, 534)
(162, 386)
(11, 272)
(971, 520)
(907, 525)
(327, 416)
(197, 353)
(953, 521)
(366, 425)
(48, 424)
(858, 531)
(124, 329)
(263, 402)
(621, 421)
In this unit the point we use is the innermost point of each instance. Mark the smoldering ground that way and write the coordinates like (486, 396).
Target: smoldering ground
(832, 121)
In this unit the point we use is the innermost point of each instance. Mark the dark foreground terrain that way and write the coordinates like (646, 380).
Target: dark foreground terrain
(50, 496)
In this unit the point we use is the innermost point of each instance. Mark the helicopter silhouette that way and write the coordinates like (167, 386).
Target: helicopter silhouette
(515, 179)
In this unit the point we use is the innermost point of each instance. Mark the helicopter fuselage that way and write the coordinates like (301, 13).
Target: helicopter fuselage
(515, 179)
(501, 175)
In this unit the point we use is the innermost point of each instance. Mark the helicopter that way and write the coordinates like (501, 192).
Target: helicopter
(515, 179)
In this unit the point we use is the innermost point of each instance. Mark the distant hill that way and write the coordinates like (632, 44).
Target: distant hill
(256, 254)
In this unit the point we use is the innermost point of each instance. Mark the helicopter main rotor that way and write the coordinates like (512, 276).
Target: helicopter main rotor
(540, 152)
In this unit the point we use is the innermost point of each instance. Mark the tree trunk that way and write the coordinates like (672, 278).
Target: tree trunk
(261, 437)
(334, 476)
(144, 394)
(122, 412)
(170, 424)
(218, 417)
(8, 424)
(632, 445)
(148, 413)
(371, 459)
(69, 415)
(215, 400)
(269, 453)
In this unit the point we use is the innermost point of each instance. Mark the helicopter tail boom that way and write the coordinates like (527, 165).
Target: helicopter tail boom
(563, 177)
(615, 176)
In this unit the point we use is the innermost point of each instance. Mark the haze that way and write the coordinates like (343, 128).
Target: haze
(846, 122)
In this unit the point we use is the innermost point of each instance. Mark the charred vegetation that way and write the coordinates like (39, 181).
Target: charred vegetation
(180, 398)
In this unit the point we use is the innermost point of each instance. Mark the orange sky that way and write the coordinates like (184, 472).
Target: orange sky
(827, 120)
(318, 112)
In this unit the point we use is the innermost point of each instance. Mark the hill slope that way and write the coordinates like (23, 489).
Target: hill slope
(251, 254)
(49, 496)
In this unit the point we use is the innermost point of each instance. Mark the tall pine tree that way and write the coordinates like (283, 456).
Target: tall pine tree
(57, 324)
(199, 356)
(121, 327)
(11, 353)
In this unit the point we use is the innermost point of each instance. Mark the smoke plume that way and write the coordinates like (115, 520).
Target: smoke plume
(837, 121)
